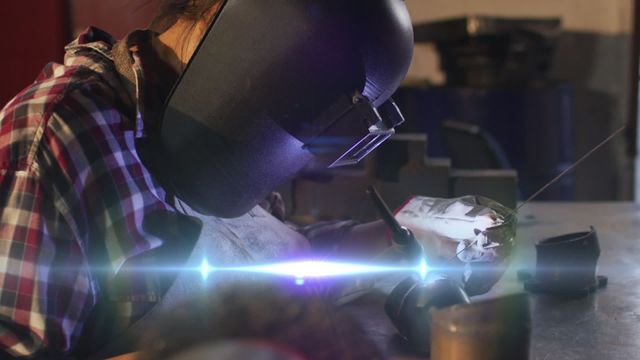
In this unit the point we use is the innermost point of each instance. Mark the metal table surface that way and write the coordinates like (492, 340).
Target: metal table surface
(604, 325)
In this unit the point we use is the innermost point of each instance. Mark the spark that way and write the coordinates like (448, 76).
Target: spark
(205, 269)
(424, 269)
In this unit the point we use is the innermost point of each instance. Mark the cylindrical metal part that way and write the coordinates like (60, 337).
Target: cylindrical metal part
(409, 307)
(497, 329)
(567, 264)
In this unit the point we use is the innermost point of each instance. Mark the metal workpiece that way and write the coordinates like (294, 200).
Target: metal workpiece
(566, 266)
(496, 329)
(482, 276)
(410, 304)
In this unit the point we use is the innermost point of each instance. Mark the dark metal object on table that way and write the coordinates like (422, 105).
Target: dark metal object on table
(566, 266)
(497, 329)
(409, 307)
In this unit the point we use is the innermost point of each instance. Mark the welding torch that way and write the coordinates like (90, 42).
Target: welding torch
(402, 236)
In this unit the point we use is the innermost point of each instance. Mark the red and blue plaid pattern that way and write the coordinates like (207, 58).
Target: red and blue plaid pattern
(73, 194)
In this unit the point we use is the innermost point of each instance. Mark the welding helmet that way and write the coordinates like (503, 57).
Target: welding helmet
(274, 84)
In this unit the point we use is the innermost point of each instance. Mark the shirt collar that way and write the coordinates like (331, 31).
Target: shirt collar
(147, 78)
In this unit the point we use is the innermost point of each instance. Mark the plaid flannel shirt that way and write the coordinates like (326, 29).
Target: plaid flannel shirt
(73, 193)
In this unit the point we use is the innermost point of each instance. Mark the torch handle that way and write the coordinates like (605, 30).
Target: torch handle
(400, 234)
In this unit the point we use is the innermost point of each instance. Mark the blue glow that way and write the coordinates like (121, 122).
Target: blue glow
(316, 269)
(424, 269)
(205, 269)
(299, 271)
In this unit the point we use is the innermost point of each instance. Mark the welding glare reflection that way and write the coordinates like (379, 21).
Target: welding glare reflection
(205, 269)
(311, 269)
(423, 269)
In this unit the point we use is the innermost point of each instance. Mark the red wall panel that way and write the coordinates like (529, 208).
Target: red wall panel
(34, 33)
(117, 17)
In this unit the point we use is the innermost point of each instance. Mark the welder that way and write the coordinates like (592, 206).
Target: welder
(141, 152)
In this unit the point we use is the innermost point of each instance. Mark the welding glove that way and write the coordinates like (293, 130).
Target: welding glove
(467, 239)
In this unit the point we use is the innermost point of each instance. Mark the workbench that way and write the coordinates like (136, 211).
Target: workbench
(604, 325)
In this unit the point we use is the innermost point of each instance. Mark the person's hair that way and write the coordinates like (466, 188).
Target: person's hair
(170, 11)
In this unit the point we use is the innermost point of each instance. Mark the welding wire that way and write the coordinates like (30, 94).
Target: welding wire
(554, 180)
(573, 166)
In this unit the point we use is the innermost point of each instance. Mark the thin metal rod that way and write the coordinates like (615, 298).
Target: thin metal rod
(554, 180)
(385, 213)
(570, 168)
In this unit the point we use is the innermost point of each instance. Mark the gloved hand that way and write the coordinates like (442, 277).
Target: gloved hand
(468, 238)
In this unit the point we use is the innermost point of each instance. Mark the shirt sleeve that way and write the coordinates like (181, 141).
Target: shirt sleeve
(326, 235)
(46, 292)
(323, 235)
